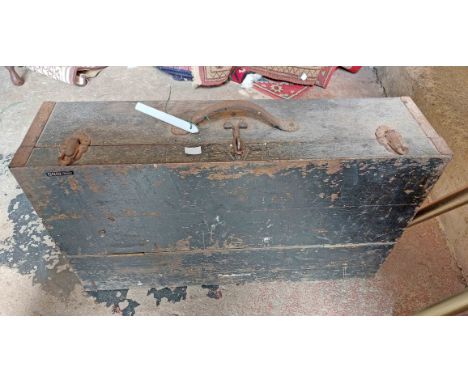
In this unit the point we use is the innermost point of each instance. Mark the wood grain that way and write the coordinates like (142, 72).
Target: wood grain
(35, 130)
(326, 201)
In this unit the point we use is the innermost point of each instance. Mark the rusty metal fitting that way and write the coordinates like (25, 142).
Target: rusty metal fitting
(391, 140)
(73, 148)
(237, 148)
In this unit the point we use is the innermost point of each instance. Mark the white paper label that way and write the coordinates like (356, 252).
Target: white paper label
(193, 150)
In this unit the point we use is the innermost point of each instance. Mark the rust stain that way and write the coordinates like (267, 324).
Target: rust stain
(391, 140)
(333, 166)
(151, 213)
(63, 217)
(183, 244)
(132, 213)
(73, 184)
(121, 170)
(235, 170)
(93, 186)
(128, 212)
(233, 242)
(111, 218)
(268, 169)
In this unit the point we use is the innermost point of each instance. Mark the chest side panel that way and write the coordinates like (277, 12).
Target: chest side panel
(160, 208)
(223, 267)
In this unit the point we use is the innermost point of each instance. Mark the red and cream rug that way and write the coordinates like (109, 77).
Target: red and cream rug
(282, 82)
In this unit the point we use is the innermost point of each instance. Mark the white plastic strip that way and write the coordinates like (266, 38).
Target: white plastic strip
(193, 150)
(168, 118)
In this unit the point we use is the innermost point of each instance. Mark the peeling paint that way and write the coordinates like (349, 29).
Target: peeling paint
(333, 167)
(73, 184)
(225, 171)
(117, 299)
(9, 190)
(213, 291)
(172, 295)
(183, 244)
(25, 244)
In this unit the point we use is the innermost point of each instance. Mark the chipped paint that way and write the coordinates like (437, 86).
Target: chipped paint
(117, 300)
(183, 244)
(25, 244)
(171, 295)
(9, 190)
(333, 166)
(73, 184)
(132, 213)
(236, 170)
(91, 182)
(214, 291)
(64, 217)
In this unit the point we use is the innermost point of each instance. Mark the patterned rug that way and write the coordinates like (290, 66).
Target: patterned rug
(301, 75)
(74, 75)
(269, 87)
(281, 82)
(211, 75)
(280, 89)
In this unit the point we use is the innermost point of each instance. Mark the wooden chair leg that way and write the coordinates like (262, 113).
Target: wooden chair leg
(15, 77)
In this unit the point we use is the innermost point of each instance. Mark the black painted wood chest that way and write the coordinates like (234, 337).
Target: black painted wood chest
(274, 190)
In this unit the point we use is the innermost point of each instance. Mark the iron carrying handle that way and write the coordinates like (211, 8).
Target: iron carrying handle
(233, 112)
(236, 110)
(239, 109)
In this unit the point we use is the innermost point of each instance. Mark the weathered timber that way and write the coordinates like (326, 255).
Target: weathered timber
(230, 266)
(296, 204)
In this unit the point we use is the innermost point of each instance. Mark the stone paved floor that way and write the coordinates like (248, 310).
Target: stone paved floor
(36, 280)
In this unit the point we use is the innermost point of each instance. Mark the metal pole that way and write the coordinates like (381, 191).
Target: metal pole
(441, 206)
(451, 306)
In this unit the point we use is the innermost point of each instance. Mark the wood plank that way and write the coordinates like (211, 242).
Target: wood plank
(138, 208)
(35, 130)
(160, 154)
(225, 267)
(341, 121)
(426, 127)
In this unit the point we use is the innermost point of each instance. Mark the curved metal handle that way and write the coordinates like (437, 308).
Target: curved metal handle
(240, 108)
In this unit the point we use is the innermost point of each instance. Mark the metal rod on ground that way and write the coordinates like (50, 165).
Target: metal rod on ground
(441, 206)
(451, 306)
(459, 303)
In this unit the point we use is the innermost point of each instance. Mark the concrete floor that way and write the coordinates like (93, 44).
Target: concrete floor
(35, 279)
(442, 95)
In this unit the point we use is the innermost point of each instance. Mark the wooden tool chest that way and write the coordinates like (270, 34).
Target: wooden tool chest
(279, 190)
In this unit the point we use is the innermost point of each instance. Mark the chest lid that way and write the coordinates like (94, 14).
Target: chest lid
(116, 133)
